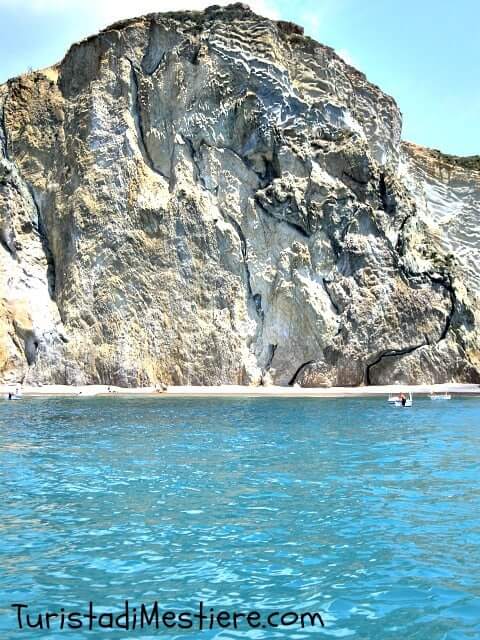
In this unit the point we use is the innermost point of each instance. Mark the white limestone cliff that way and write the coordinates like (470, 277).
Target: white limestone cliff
(212, 197)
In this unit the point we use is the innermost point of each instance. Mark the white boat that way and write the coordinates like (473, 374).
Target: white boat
(440, 396)
(408, 401)
(393, 397)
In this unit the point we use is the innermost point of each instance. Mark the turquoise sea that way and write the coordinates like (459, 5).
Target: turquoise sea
(367, 514)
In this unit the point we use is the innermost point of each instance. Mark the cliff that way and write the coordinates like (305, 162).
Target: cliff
(212, 197)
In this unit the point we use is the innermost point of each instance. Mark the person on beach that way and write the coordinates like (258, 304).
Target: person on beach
(403, 399)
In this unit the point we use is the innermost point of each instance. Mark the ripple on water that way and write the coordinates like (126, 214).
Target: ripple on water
(306, 505)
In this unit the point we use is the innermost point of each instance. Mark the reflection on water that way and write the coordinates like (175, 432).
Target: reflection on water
(366, 513)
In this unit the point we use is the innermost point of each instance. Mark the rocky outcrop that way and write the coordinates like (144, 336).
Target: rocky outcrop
(212, 197)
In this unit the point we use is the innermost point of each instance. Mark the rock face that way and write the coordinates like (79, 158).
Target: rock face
(205, 198)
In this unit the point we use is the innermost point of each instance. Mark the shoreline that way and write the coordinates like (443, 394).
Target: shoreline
(89, 391)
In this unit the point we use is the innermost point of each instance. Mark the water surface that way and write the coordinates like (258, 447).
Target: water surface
(366, 513)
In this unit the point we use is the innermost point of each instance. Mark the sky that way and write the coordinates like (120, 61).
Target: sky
(425, 53)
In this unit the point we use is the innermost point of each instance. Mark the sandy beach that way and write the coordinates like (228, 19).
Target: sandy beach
(238, 390)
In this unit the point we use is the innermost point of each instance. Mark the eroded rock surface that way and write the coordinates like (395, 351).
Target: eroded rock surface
(212, 197)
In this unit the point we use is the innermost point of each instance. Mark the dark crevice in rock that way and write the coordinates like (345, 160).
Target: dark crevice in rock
(137, 117)
(387, 205)
(447, 283)
(401, 240)
(298, 371)
(256, 298)
(7, 242)
(3, 133)
(294, 226)
(7, 237)
(337, 239)
(272, 170)
(335, 246)
(325, 283)
(30, 342)
(42, 234)
(444, 280)
(31, 348)
(390, 353)
(195, 54)
(347, 175)
(196, 163)
(271, 353)
(383, 192)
